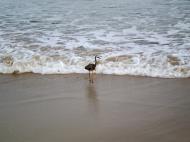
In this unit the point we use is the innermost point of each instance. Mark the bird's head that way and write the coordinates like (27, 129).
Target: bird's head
(99, 57)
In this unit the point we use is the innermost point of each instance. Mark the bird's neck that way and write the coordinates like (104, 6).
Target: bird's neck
(95, 61)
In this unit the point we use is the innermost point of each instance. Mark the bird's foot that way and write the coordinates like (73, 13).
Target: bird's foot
(91, 81)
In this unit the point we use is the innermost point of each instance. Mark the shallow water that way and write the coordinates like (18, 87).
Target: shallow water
(149, 38)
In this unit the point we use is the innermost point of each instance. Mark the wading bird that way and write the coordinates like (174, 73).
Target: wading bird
(91, 68)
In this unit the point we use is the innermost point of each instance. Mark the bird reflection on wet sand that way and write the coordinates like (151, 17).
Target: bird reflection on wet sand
(92, 97)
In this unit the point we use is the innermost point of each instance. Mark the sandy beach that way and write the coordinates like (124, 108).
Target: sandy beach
(66, 108)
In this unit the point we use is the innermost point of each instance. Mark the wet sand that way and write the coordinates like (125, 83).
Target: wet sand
(66, 108)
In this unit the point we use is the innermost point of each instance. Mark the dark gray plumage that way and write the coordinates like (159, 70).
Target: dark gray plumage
(90, 67)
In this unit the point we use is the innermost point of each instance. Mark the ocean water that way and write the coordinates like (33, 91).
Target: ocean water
(133, 37)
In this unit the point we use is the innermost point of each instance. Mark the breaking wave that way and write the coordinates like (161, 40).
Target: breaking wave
(112, 62)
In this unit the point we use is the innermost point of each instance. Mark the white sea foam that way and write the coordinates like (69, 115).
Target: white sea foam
(168, 66)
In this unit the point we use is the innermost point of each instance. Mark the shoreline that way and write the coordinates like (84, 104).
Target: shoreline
(82, 74)
(46, 108)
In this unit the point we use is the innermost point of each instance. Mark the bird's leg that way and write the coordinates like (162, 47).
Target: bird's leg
(92, 77)
(89, 77)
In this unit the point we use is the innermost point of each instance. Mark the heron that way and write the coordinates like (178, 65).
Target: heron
(91, 67)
